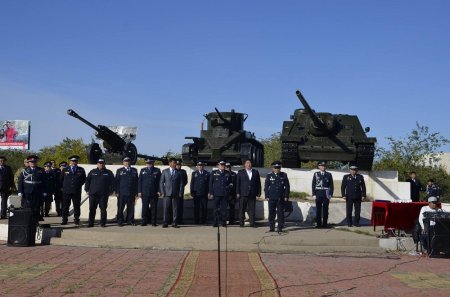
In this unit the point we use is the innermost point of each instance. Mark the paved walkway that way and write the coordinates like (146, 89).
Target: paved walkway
(81, 271)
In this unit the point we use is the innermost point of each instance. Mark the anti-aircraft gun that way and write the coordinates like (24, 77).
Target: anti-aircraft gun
(117, 142)
(224, 139)
(314, 136)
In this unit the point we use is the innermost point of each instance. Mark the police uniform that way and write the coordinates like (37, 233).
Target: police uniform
(276, 189)
(99, 185)
(148, 187)
(126, 190)
(6, 185)
(32, 187)
(72, 180)
(322, 190)
(199, 191)
(52, 181)
(58, 195)
(353, 188)
(180, 207)
(415, 188)
(433, 190)
(231, 196)
(219, 187)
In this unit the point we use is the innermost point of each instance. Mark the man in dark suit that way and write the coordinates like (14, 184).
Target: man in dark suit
(72, 180)
(126, 191)
(184, 181)
(416, 186)
(148, 189)
(199, 191)
(6, 185)
(231, 196)
(353, 190)
(219, 188)
(248, 187)
(322, 191)
(171, 189)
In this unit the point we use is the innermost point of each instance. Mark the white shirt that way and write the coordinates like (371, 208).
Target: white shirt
(249, 173)
(425, 209)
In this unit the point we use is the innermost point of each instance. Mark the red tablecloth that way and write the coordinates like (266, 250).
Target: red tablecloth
(398, 216)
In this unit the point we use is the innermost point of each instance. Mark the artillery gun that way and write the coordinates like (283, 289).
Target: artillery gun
(117, 142)
(224, 139)
(314, 136)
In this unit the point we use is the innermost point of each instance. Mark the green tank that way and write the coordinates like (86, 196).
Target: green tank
(224, 139)
(314, 136)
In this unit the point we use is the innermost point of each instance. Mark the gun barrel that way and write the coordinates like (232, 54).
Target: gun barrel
(72, 113)
(221, 116)
(317, 121)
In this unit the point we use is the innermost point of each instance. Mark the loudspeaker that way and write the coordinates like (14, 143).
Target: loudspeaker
(439, 238)
(21, 227)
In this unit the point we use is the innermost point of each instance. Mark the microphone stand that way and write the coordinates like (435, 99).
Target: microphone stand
(218, 249)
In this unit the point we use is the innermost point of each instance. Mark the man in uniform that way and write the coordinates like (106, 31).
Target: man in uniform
(126, 190)
(99, 185)
(199, 192)
(58, 196)
(219, 188)
(276, 189)
(72, 180)
(171, 189)
(248, 187)
(433, 190)
(353, 190)
(52, 181)
(184, 181)
(416, 186)
(31, 186)
(322, 191)
(148, 190)
(6, 185)
(231, 196)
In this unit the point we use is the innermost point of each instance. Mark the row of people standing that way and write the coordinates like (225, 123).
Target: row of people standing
(431, 189)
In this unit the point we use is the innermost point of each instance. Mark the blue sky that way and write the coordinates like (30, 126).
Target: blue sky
(160, 65)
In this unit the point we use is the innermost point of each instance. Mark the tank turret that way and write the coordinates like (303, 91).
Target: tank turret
(314, 136)
(224, 139)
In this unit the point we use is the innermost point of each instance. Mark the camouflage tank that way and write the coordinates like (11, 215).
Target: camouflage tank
(224, 139)
(311, 136)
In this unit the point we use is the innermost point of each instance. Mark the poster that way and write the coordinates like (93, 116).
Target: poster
(14, 134)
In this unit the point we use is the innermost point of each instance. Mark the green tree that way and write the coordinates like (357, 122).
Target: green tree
(272, 148)
(63, 150)
(414, 153)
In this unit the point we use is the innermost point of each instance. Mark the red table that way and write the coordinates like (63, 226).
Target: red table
(398, 216)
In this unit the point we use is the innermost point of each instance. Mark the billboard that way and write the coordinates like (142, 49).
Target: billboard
(14, 134)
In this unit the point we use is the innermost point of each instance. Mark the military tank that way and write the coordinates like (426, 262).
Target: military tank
(314, 136)
(117, 142)
(224, 139)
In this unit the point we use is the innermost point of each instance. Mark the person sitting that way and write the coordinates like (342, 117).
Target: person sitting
(431, 207)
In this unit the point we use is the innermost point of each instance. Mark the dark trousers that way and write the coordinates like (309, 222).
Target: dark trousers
(96, 200)
(69, 198)
(32, 201)
(180, 208)
(4, 203)
(349, 207)
(149, 209)
(200, 209)
(167, 203)
(128, 201)
(247, 203)
(45, 208)
(220, 209)
(276, 207)
(322, 211)
(58, 202)
(231, 209)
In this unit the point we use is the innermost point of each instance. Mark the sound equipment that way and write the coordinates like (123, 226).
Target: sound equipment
(21, 227)
(438, 230)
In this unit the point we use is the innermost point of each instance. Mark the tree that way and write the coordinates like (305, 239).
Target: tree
(272, 148)
(414, 153)
(62, 151)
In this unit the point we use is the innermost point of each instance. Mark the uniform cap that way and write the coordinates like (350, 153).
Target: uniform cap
(32, 158)
(432, 199)
(63, 163)
(353, 167)
(228, 164)
(276, 164)
(3, 158)
(222, 162)
(47, 164)
(126, 159)
(200, 163)
(179, 162)
(74, 158)
(149, 161)
(322, 163)
(101, 161)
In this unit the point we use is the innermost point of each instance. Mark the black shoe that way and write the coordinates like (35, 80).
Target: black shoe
(224, 224)
(90, 225)
(175, 226)
(241, 225)
(357, 225)
(154, 225)
(64, 223)
(253, 226)
(325, 226)
(143, 224)
(164, 225)
(279, 230)
(318, 226)
(120, 224)
(103, 225)
(272, 230)
(215, 225)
